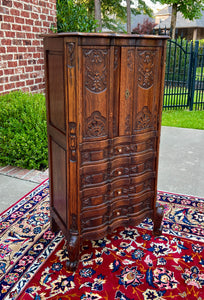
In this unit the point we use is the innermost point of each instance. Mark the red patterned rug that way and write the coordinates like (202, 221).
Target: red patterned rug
(129, 264)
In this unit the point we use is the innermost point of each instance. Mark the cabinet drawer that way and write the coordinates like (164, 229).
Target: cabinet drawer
(142, 163)
(119, 167)
(142, 183)
(94, 151)
(94, 174)
(96, 196)
(94, 218)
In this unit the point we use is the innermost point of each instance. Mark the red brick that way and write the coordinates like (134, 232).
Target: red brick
(29, 69)
(27, 42)
(26, 28)
(6, 169)
(20, 35)
(14, 78)
(29, 82)
(4, 10)
(8, 57)
(9, 86)
(3, 79)
(28, 7)
(17, 42)
(36, 29)
(22, 49)
(43, 17)
(23, 62)
(19, 20)
(2, 50)
(37, 68)
(5, 26)
(8, 19)
(9, 71)
(38, 23)
(6, 42)
(10, 34)
(1, 72)
(11, 49)
(34, 16)
(16, 27)
(1, 88)
(24, 76)
(12, 64)
(45, 11)
(20, 84)
(30, 35)
(14, 12)
(36, 43)
(18, 4)
(19, 70)
(7, 3)
(25, 14)
(29, 21)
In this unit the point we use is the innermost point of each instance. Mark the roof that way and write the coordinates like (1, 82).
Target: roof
(164, 11)
(182, 23)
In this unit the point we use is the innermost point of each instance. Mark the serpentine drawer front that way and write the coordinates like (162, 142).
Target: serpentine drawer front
(104, 99)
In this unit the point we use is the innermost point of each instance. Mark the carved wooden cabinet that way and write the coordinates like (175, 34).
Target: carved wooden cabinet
(104, 101)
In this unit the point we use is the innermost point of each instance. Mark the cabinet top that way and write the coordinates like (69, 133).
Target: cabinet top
(105, 35)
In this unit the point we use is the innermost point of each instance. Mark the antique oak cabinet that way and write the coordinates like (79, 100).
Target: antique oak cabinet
(104, 100)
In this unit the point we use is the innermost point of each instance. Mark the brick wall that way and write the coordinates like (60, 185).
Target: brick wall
(21, 48)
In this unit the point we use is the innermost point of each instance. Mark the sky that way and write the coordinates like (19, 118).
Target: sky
(154, 7)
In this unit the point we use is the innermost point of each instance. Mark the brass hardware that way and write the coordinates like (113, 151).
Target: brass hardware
(119, 192)
(119, 172)
(120, 150)
(118, 213)
(127, 94)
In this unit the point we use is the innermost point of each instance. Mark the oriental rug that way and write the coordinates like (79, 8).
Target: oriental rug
(129, 264)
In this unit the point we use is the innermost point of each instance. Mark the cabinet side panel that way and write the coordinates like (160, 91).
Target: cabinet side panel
(59, 191)
(56, 108)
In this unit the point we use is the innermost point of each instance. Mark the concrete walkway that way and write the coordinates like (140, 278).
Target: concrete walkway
(181, 168)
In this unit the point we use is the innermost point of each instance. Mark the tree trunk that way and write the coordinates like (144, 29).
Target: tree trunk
(128, 17)
(98, 15)
(173, 20)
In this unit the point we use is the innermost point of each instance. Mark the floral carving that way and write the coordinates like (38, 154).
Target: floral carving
(116, 57)
(95, 125)
(144, 119)
(146, 64)
(96, 70)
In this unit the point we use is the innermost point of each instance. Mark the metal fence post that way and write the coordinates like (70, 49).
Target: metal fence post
(194, 66)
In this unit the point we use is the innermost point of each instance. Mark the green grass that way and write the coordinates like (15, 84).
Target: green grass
(183, 118)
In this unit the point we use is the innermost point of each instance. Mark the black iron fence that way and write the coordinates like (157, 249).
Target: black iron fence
(184, 75)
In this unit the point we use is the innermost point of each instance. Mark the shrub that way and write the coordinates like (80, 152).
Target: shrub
(73, 16)
(146, 27)
(23, 131)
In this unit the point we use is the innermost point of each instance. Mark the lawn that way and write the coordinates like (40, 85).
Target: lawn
(183, 118)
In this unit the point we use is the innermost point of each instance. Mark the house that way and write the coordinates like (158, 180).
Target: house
(191, 30)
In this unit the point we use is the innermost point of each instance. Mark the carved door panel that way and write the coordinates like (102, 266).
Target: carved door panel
(148, 87)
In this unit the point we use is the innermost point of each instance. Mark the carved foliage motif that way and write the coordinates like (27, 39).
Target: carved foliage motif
(96, 125)
(96, 70)
(72, 140)
(71, 54)
(146, 64)
(74, 226)
(144, 119)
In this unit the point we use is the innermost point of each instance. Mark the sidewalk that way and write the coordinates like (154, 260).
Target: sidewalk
(181, 168)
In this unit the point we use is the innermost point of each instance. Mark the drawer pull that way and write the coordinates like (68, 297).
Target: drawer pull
(118, 213)
(119, 150)
(119, 192)
(119, 172)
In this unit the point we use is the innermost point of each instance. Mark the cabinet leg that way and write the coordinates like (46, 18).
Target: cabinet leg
(157, 230)
(53, 225)
(73, 252)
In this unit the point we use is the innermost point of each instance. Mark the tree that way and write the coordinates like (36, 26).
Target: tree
(145, 28)
(98, 15)
(128, 17)
(114, 13)
(190, 9)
